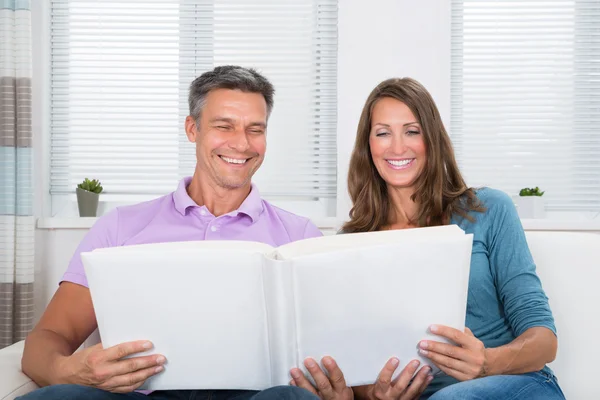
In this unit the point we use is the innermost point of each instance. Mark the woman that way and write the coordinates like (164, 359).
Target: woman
(403, 174)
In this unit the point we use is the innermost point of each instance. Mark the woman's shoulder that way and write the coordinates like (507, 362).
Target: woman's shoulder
(492, 199)
(496, 204)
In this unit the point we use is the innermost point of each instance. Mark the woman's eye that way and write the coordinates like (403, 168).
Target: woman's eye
(381, 133)
(413, 132)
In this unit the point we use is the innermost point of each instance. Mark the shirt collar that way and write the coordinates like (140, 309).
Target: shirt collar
(252, 206)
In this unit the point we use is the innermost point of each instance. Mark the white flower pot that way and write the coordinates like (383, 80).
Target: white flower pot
(530, 206)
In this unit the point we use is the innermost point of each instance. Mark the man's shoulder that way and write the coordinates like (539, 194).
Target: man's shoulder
(126, 221)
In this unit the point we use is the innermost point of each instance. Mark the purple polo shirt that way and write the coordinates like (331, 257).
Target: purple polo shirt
(176, 217)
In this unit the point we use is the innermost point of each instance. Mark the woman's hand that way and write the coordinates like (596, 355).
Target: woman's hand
(465, 361)
(401, 388)
(334, 387)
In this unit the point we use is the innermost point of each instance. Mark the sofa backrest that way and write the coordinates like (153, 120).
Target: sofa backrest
(568, 265)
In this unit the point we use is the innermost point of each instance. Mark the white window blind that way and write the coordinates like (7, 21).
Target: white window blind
(120, 76)
(526, 97)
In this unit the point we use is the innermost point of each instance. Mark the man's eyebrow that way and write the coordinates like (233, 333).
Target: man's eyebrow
(259, 124)
(222, 119)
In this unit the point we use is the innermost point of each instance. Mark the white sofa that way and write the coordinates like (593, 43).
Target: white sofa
(569, 267)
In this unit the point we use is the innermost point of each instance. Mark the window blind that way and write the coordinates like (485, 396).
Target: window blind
(120, 73)
(525, 91)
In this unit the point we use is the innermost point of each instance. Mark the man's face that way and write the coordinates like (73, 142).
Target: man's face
(230, 137)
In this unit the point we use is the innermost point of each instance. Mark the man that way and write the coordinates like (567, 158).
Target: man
(229, 110)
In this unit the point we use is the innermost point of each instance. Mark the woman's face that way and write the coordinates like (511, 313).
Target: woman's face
(396, 141)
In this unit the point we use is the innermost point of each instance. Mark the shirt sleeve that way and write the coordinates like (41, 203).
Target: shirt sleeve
(102, 234)
(311, 231)
(518, 286)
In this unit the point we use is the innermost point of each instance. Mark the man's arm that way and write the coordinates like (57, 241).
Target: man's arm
(50, 357)
(66, 323)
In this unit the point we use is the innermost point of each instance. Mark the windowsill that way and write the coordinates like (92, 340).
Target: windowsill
(333, 224)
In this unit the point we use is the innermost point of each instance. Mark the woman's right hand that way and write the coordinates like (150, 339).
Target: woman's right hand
(401, 388)
(109, 370)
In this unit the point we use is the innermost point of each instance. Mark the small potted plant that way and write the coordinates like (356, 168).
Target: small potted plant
(530, 203)
(88, 193)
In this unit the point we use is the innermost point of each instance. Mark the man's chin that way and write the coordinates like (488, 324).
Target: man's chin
(232, 184)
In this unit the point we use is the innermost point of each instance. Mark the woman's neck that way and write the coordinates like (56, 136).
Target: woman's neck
(403, 210)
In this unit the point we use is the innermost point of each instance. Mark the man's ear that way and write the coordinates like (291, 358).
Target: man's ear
(191, 130)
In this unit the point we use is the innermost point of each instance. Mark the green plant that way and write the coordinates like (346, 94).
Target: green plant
(531, 192)
(93, 186)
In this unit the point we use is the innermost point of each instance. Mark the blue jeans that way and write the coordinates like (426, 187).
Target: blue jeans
(532, 386)
(76, 392)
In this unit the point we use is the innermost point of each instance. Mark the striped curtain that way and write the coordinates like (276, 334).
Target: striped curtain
(16, 171)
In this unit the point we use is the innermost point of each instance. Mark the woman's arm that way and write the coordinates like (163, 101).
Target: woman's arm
(523, 301)
(529, 352)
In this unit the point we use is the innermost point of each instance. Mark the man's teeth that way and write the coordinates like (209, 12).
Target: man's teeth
(399, 163)
(234, 160)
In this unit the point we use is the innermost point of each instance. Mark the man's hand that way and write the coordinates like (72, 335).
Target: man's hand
(107, 369)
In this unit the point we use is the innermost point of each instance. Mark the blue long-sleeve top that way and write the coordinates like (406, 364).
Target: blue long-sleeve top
(505, 294)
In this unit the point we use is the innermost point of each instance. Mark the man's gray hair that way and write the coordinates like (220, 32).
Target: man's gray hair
(228, 77)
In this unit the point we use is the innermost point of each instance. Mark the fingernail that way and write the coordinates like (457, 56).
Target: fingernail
(415, 363)
(424, 352)
(160, 360)
(158, 369)
(147, 345)
(295, 373)
(423, 345)
(395, 362)
(434, 328)
(309, 363)
(429, 378)
(327, 361)
(427, 369)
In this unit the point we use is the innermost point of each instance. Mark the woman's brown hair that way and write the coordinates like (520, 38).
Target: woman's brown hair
(440, 190)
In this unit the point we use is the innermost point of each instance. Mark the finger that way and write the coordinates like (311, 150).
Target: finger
(292, 383)
(126, 349)
(468, 332)
(447, 362)
(128, 365)
(403, 380)
(418, 384)
(445, 349)
(336, 377)
(321, 380)
(134, 379)
(454, 335)
(384, 379)
(300, 380)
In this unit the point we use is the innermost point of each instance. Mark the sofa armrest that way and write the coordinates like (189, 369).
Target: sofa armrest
(13, 382)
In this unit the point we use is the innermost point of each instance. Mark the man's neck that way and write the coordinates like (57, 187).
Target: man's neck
(216, 199)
